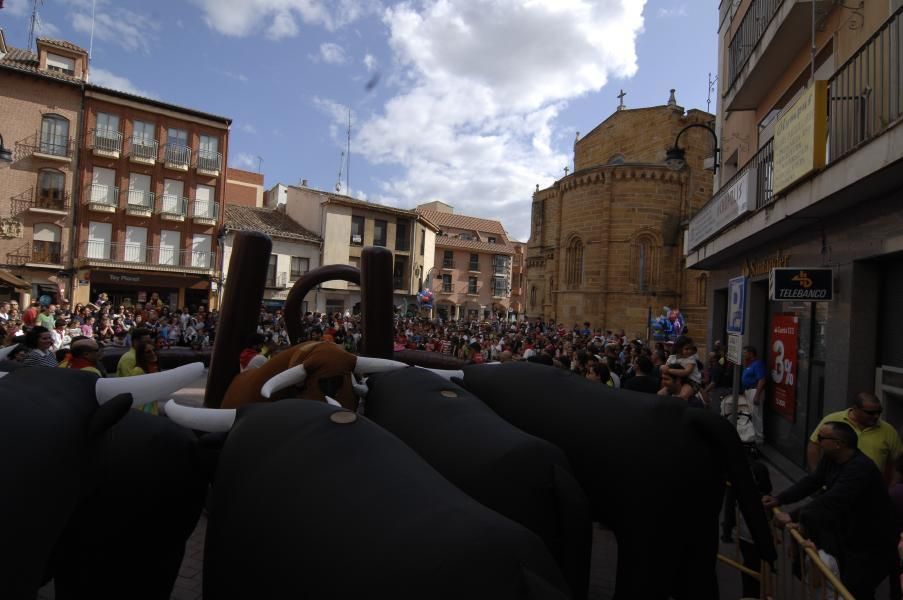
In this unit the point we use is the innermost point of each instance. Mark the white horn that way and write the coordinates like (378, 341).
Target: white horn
(332, 402)
(294, 376)
(147, 388)
(202, 419)
(368, 364)
(5, 352)
(360, 389)
(445, 373)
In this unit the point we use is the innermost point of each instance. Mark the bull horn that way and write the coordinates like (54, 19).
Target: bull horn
(203, 419)
(333, 402)
(294, 376)
(360, 389)
(5, 352)
(368, 364)
(147, 388)
(446, 374)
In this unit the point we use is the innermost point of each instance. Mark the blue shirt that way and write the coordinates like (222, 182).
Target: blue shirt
(752, 374)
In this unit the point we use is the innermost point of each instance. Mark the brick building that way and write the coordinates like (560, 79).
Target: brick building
(606, 241)
(151, 179)
(39, 119)
(244, 188)
(472, 273)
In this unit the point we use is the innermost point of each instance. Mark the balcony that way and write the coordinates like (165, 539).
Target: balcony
(143, 151)
(473, 267)
(398, 283)
(139, 256)
(448, 264)
(209, 163)
(172, 208)
(176, 157)
(45, 202)
(105, 142)
(38, 254)
(55, 148)
(771, 32)
(102, 198)
(140, 203)
(204, 212)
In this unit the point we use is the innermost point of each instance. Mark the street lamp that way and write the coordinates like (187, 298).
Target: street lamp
(6, 154)
(675, 156)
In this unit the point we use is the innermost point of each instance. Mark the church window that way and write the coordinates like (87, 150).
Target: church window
(533, 296)
(537, 216)
(574, 263)
(646, 254)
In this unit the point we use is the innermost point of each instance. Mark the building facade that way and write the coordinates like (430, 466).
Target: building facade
(295, 250)
(472, 274)
(347, 225)
(244, 188)
(606, 241)
(518, 279)
(812, 178)
(39, 124)
(151, 180)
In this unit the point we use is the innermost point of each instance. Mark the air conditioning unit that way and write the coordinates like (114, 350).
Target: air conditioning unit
(356, 239)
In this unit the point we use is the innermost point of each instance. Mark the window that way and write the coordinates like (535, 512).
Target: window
(499, 286)
(103, 187)
(380, 231)
(176, 137)
(399, 273)
(107, 124)
(99, 237)
(51, 189)
(60, 64)
(271, 271)
(422, 241)
(300, 266)
(533, 296)
(45, 245)
(474, 262)
(170, 250)
(471, 285)
(574, 263)
(177, 150)
(448, 259)
(143, 131)
(645, 252)
(208, 153)
(500, 264)
(204, 203)
(402, 231)
(357, 231)
(54, 135)
(172, 202)
(491, 240)
(537, 216)
(446, 283)
(135, 244)
(201, 256)
(465, 236)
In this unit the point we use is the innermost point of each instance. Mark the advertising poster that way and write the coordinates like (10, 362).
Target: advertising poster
(782, 360)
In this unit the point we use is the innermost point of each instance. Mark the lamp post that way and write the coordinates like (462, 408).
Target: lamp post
(6, 154)
(676, 155)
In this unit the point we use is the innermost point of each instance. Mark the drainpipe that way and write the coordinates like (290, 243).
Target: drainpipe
(76, 197)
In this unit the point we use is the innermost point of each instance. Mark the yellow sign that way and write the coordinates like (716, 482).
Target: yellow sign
(754, 268)
(800, 135)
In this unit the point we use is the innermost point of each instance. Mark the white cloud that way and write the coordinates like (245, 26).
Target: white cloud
(370, 62)
(106, 79)
(279, 18)
(248, 128)
(481, 87)
(243, 160)
(672, 12)
(127, 29)
(17, 8)
(338, 113)
(47, 29)
(236, 76)
(332, 53)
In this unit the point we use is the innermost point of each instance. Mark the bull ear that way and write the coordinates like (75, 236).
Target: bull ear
(109, 413)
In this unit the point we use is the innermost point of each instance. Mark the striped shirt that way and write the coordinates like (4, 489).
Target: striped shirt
(36, 358)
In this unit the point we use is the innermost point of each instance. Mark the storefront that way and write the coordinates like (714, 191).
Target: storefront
(131, 288)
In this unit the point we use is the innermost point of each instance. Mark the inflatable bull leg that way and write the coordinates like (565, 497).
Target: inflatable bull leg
(654, 471)
(515, 474)
(55, 433)
(313, 501)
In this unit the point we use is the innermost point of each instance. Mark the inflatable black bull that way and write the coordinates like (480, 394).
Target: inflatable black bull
(313, 501)
(95, 495)
(654, 471)
(518, 475)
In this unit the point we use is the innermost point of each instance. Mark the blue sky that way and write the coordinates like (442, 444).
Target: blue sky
(472, 102)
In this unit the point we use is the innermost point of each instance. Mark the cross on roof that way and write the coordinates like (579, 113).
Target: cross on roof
(621, 100)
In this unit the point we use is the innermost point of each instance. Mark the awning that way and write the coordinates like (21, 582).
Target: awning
(10, 279)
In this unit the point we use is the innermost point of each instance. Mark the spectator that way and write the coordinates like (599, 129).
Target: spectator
(46, 317)
(4, 312)
(61, 337)
(30, 316)
(600, 372)
(753, 382)
(849, 505)
(877, 438)
(40, 348)
(643, 380)
(145, 363)
(128, 361)
(252, 356)
(85, 356)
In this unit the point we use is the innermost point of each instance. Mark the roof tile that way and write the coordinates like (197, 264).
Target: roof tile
(63, 44)
(447, 241)
(27, 62)
(272, 222)
(451, 220)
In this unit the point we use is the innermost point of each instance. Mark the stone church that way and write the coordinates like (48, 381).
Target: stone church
(607, 240)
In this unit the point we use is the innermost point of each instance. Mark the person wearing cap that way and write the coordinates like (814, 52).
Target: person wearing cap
(85, 356)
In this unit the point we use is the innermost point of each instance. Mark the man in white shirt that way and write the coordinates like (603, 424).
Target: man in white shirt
(4, 311)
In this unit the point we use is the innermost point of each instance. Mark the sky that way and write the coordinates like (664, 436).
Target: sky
(471, 102)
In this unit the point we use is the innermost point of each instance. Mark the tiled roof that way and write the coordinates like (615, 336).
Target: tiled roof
(447, 241)
(27, 62)
(406, 212)
(63, 44)
(453, 221)
(272, 222)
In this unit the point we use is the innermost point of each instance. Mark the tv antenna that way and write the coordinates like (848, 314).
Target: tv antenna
(33, 21)
(338, 183)
(708, 101)
(345, 161)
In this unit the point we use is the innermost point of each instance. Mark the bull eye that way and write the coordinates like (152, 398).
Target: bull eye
(331, 385)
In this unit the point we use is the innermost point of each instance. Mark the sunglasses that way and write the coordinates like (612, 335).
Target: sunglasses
(874, 412)
(822, 438)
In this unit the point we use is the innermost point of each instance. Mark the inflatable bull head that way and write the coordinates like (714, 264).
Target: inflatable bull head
(310, 371)
(55, 437)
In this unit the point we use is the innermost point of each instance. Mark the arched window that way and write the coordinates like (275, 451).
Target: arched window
(51, 189)
(617, 159)
(54, 135)
(574, 263)
(533, 296)
(646, 255)
(46, 244)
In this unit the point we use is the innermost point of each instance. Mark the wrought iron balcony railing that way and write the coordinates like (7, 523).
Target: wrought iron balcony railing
(171, 206)
(100, 251)
(177, 156)
(39, 252)
(143, 150)
(103, 197)
(47, 145)
(106, 142)
(756, 20)
(209, 161)
(40, 201)
(140, 202)
(205, 210)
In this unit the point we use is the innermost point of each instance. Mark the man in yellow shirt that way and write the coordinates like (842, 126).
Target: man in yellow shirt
(877, 439)
(127, 363)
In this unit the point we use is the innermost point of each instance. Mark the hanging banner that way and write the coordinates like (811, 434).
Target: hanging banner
(784, 342)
